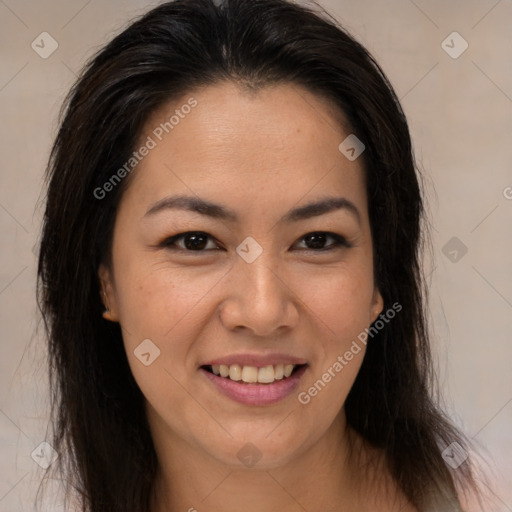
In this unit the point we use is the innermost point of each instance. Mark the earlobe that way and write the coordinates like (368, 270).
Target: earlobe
(107, 294)
(107, 314)
(377, 305)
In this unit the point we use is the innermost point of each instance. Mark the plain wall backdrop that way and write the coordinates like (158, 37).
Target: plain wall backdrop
(458, 101)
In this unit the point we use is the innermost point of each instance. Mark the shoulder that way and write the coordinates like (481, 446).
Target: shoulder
(381, 491)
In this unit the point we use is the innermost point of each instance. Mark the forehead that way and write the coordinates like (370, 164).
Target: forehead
(278, 142)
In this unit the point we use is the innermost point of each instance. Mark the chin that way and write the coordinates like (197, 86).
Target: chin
(255, 453)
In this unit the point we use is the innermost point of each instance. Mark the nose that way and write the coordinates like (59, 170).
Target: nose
(260, 298)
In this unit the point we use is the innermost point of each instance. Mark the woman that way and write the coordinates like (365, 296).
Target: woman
(229, 275)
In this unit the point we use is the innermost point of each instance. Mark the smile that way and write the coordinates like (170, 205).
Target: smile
(253, 385)
(251, 374)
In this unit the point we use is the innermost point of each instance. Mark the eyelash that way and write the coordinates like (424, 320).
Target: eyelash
(340, 241)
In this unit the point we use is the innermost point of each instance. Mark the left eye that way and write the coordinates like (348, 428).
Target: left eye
(196, 241)
(318, 238)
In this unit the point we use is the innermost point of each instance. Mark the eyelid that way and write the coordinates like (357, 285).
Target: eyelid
(340, 240)
(169, 241)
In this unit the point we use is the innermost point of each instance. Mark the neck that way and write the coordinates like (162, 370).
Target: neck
(323, 477)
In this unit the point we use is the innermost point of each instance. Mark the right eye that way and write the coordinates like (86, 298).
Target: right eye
(193, 241)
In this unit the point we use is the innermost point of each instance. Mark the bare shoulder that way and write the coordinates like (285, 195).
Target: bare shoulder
(377, 488)
(408, 507)
(383, 492)
(392, 499)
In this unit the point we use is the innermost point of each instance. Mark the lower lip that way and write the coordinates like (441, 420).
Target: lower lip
(256, 394)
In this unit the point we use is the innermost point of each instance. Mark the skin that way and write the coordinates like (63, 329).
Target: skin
(259, 154)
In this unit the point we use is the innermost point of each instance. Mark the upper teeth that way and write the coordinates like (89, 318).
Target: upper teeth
(264, 375)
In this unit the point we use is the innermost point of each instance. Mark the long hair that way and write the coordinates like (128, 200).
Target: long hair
(100, 426)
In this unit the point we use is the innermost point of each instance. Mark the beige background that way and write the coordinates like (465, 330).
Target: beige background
(460, 114)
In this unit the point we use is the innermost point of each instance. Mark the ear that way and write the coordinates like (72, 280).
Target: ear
(377, 305)
(107, 292)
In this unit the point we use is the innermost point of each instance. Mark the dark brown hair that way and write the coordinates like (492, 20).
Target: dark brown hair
(101, 431)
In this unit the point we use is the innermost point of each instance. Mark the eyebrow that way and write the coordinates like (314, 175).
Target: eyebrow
(217, 211)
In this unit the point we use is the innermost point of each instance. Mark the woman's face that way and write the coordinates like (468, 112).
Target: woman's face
(256, 288)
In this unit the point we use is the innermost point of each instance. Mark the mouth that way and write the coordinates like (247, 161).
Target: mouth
(254, 385)
(246, 374)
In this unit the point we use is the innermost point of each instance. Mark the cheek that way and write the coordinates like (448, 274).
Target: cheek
(340, 308)
(339, 305)
(155, 298)
(159, 313)
(340, 300)
(167, 306)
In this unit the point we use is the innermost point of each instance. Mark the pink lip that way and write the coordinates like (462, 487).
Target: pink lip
(256, 394)
(257, 360)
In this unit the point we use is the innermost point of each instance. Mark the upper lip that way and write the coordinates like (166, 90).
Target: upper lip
(258, 360)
